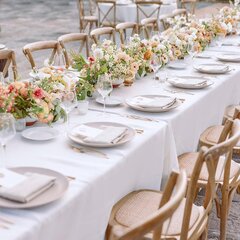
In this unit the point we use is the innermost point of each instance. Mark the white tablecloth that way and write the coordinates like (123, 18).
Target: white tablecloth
(199, 111)
(128, 12)
(84, 210)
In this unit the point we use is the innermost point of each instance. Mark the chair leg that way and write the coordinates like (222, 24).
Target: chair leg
(224, 215)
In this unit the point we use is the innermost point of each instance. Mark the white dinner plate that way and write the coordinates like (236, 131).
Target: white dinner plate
(110, 101)
(212, 68)
(52, 194)
(100, 125)
(176, 82)
(2, 46)
(229, 57)
(177, 65)
(40, 133)
(175, 104)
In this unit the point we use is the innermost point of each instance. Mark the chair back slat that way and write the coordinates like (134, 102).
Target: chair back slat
(98, 32)
(9, 57)
(38, 46)
(82, 38)
(122, 29)
(149, 25)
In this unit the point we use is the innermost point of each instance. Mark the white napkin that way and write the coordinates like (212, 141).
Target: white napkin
(189, 81)
(230, 57)
(108, 135)
(28, 189)
(213, 68)
(145, 102)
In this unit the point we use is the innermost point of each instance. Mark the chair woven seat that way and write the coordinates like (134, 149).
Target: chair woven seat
(188, 160)
(211, 135)
(137, 206)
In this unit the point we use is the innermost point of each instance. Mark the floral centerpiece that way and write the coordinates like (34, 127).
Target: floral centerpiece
(22, 100)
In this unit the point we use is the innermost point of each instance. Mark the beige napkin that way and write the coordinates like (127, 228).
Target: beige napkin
(34, 185)
(189, 81)
(109, 135)
(213, 68)
(230, 57)
(145, 102)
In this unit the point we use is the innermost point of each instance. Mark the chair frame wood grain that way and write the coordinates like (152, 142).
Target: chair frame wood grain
(10, 59)
(103, 18)
(121, 28)
(96, 33)
(82, 38)
(167, 206)
(38, 46)
(191, 3)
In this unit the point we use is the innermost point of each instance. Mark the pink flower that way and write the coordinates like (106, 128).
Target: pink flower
(38, 93)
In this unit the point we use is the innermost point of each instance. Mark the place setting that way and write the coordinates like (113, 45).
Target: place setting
(153, 103)
(212, 68)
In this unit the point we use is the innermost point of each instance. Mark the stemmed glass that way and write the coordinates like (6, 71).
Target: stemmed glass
(104, 87)
(191, 50)
(69, 102)
(219, 40)
(7, 131)
(155, 63)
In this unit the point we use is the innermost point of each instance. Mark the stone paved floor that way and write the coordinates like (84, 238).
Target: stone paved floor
(25, 21)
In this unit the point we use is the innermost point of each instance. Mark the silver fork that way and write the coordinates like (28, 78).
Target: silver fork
(177, 91)
(89, 150)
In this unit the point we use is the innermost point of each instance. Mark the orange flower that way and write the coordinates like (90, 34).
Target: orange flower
(147, 55)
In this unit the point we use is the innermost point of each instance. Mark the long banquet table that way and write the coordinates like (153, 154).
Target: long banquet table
(84, 210)
(199, 111)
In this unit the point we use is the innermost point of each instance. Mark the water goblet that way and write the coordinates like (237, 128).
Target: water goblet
(155, 63)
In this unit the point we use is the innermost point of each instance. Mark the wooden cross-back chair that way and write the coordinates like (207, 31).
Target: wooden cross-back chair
(189, 221)
(149, 25)
(38, 46)
(227, 172)
(189, 5)
(9, 59)
(171, 199)
(98, 32)
(81, 38)
(231, 113)
(218, 133)
(107, 18)
(143, 9)
(123, 27)
(89, 19)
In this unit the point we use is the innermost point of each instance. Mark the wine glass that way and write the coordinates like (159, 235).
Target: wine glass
(162, 78)
(69, 102)
(104, 87)
(191, 50)
(155, 63)
(219, 40)
(7, 131)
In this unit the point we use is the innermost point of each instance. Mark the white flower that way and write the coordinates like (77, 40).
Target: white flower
(107, 57)
(98, 53)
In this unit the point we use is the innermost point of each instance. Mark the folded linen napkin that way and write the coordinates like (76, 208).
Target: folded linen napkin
(230, 57)
(107, 135)
(158, 102)
(28, 189)
(190, 81)
(213, 68)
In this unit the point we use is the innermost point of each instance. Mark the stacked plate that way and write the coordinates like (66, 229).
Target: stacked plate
(177, 65)
(190, 82)
(212, 68)
(229, 57)
(153, 103)
(101, 134)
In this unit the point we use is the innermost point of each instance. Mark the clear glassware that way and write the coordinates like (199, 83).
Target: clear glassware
(155, 64)
(219, 40)
(7, 132)
(104, 87)
(69, 102)
(191, 50)
(162, 78)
